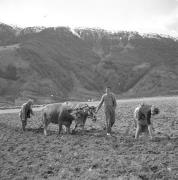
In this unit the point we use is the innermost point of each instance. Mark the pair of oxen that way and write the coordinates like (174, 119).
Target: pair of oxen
(65, 114)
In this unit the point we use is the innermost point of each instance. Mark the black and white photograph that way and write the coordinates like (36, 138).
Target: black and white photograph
(88, 89)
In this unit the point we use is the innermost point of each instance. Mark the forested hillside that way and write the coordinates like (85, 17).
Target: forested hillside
(56, 64)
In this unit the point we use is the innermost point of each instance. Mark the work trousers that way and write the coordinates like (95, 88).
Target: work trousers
(110, 118)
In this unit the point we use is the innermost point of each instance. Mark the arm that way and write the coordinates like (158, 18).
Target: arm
(138, 116)
(148, 118)
(100, 104)
(31, 111)
(23, 112)
(114, 101)
(150, 127)
(135, 123)
(135, 117)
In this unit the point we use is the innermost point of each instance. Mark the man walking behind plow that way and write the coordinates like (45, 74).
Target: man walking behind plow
(110, 104)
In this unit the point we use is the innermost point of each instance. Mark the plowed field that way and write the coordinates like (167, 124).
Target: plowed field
(92, 155)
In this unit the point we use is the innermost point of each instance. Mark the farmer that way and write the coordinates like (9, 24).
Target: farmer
(142, 119)
(25, 112)
(110, 104)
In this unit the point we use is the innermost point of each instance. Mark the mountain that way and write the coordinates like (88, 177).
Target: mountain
(57, 64)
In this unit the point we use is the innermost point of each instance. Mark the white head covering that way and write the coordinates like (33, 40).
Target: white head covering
(30, 102)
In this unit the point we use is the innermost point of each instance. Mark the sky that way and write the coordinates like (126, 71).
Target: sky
(144, 16)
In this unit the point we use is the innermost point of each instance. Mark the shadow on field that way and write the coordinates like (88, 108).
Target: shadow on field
(90, 133)
(164, 138)
(19, 129)
(94, 132)
(9, 127)
(35, 130)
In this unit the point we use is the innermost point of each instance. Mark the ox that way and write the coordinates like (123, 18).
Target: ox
(64, 114)
(83, 112)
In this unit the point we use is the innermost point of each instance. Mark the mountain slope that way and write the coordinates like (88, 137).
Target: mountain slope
(50, 64)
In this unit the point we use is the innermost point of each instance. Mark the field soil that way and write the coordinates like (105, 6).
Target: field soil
(92, 155)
